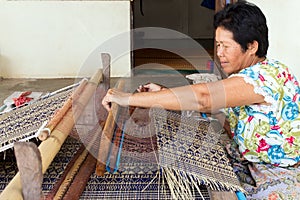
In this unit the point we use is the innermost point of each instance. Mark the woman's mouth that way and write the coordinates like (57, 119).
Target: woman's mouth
(223, 64)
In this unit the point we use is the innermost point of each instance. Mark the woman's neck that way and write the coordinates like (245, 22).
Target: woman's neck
(257, 60)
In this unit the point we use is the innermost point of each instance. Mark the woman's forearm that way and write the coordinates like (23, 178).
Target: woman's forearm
(179, 98)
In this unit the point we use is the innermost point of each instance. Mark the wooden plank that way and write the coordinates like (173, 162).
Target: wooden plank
(29, 163)
(221, 195)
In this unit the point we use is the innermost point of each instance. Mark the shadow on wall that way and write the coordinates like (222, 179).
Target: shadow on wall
(4, 69)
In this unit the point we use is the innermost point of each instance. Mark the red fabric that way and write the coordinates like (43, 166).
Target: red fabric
(22, 99)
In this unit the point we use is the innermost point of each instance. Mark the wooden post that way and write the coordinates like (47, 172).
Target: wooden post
(106, 70)
(30, 168)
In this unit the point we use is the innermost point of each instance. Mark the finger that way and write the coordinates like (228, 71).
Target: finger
(107, 106)
(106, 103)
(139, 88)
(110, 91)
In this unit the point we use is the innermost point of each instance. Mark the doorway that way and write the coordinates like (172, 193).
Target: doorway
(191, 19)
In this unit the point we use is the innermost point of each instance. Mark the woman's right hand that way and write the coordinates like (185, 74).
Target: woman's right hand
(115, 96)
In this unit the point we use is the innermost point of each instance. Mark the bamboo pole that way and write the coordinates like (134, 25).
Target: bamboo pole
(107, 134)
(46, 131)
(50, 147)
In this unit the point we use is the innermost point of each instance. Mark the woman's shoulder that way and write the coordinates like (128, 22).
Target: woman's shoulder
(267, 67)
(267, 63)
(272, 63)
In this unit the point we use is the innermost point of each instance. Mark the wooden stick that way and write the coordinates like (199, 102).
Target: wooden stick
(69, 180)
(107, 134)
(70, 176)
(106, 70)
(45, 132)
(79, 183)
(50, 147)
(30, 168)
(50, 195)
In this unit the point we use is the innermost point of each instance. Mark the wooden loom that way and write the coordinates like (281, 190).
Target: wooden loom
(60, 129)
(57, 137)
(106, 140)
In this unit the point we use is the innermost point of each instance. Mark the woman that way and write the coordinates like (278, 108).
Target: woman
(260, 96)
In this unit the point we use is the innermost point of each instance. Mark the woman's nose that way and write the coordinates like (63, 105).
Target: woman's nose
(220, 52)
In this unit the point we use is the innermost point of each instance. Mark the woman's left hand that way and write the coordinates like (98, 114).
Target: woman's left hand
(115, 96)
(150, 87)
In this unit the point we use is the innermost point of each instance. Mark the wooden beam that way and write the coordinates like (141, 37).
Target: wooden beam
(106, 70)
(30, 168)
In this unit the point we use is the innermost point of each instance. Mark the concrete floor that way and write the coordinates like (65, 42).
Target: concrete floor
(8, 86)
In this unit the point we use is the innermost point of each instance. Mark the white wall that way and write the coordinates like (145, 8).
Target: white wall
(46, 39)
(283, 20)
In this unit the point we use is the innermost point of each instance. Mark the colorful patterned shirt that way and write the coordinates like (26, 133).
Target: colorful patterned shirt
(269, 133)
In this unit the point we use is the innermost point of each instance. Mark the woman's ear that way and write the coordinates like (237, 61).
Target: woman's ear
(253, 47)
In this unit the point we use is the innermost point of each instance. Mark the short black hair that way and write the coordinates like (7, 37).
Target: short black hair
(247, 23)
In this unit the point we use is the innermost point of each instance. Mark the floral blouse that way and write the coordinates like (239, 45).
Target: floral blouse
(269, 133)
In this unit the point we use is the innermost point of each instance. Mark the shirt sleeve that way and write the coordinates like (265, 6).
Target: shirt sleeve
(263, 80)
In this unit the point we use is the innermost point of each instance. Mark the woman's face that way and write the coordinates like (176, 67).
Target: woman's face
(231, 55)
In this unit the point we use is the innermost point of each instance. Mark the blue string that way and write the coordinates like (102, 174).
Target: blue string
(204, 115)
(240, 195)
(120, 150)
(118, 155)
(108, 157)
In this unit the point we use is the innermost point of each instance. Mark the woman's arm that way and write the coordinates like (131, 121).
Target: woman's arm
(204, 97)
(179, 98)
